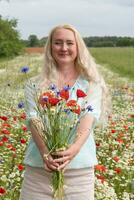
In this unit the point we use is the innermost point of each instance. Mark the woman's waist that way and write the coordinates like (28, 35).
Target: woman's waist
(68, 171)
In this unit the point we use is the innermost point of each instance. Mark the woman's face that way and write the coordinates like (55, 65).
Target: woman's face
(64, 47)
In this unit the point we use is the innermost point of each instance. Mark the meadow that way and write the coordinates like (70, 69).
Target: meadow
(119, 60)
(114, 173)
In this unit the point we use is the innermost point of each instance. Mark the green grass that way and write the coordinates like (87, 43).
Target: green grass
(10, 69)
(119, 60)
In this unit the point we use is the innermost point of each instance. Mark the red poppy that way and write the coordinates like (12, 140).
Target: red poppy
(4, 118)
(77, 110)
(5, 131)
(53, 101)
(24, 128)
(97, 145)
(4, 139)
(74, 106)
(100, 168)
(71, 103)
(21, 167)
(102, 178)
(64, 94)
(14, 118)
(125, 127)
(23, 115)
(6, 125)
(48, 94)
(23, 141)
(116, 158)
(1, 143)
(118, 170)
(80, 93)
(120, 140)
(113, 131)
(2, 190)
(11, 147)
(132, 115)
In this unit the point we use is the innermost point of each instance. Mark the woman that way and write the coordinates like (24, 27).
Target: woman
(67, 61)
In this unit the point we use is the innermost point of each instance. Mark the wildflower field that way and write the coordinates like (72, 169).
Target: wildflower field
(114, 173)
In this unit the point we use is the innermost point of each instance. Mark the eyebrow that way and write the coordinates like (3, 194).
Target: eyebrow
(68, 40)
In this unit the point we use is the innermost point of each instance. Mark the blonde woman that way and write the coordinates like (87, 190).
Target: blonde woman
(67, 61)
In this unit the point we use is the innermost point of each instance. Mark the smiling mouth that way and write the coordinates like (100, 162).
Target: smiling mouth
(63, 54)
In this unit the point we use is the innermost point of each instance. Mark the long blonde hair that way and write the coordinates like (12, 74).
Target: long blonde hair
(84, 62)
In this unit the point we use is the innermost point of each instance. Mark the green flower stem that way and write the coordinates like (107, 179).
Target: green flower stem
(58, 184)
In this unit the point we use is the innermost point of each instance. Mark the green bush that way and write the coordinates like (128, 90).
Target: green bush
(10, 43)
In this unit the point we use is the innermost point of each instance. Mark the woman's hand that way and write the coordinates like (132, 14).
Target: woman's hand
(66, 156)
(50, 163)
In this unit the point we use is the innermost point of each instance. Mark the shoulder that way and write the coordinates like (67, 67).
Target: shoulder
(33, 82)
(31, 86)
(91, 86)
(82, 83)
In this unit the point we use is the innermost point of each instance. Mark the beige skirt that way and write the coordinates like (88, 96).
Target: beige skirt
(79, 184)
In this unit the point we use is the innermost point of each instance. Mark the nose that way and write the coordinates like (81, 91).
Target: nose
(64, 46)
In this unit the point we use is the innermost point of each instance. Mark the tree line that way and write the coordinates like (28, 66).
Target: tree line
(94, 41)
(11, 43)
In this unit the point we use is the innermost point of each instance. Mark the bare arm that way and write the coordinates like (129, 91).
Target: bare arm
(49, 163)
(34, 126)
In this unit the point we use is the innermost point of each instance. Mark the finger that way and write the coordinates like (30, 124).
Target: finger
(47, 168)
(62, 166)
(62, 159)
(51, 161)
(51, 167)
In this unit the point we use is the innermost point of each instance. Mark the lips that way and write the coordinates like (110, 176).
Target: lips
(63, 54)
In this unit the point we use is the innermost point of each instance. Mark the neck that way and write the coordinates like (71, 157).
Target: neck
(67, 70)
(67, 75)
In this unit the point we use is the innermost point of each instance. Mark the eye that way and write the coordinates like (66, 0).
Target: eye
(70, 43)
(58, 43)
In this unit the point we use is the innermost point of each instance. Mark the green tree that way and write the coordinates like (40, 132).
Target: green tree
(124, 42)
(33, 41)
(10, 43)
(43, 41)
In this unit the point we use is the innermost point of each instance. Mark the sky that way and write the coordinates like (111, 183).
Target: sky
(89, 17)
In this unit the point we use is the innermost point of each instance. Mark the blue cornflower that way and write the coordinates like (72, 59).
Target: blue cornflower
(67, 111)
(66, 87)
(21, 105)
(52, 87)
(58, 93)
(24, 69)
(89, 108)
(45, 98)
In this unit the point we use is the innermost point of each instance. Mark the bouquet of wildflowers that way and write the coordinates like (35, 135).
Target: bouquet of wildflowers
(58, 115)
